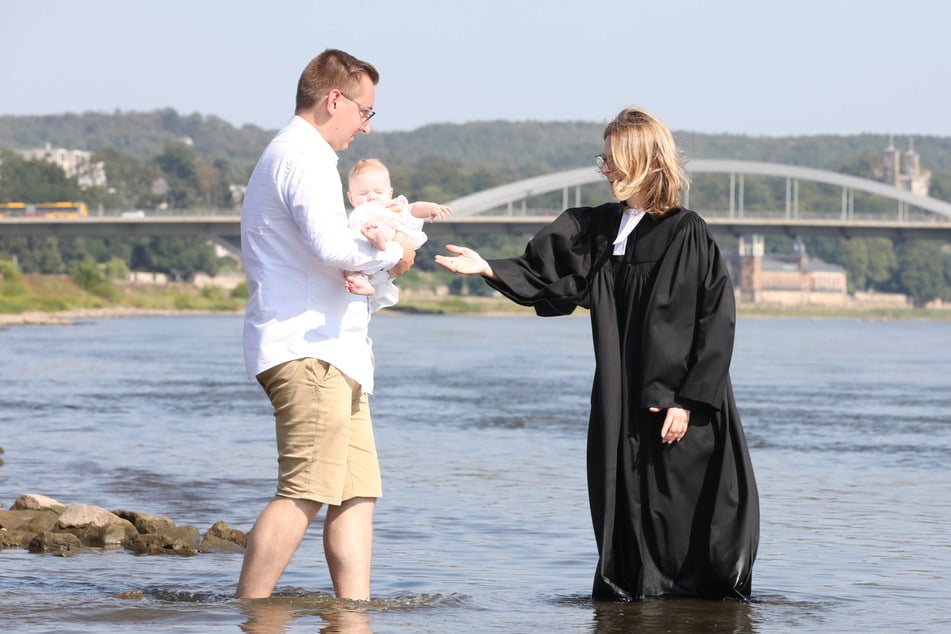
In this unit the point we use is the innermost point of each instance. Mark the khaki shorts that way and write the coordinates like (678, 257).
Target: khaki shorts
(325, 446)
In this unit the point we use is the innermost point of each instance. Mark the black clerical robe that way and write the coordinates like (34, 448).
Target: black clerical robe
(669, 519)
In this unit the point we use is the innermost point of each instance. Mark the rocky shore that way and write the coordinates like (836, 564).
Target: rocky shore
(41, 524)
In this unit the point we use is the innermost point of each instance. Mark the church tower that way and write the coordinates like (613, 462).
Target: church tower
(903, 170)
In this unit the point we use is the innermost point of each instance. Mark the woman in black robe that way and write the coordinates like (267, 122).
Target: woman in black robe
(670, 485)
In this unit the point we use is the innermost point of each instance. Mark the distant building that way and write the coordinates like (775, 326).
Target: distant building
(788, 280)
(903, 170)
(76, 164)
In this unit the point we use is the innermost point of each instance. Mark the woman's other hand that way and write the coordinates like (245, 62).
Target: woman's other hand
(675, 423)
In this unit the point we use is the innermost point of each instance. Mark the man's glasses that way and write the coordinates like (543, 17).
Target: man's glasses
(365, 113)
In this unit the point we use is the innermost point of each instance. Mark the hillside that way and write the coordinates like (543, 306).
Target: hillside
(513, 149)
(149, 168)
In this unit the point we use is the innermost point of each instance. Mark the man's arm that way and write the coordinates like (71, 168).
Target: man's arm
(409, 256)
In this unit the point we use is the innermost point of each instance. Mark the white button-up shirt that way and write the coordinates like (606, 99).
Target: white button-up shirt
(295, 244)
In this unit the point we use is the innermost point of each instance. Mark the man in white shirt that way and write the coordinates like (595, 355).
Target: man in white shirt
(305, 337)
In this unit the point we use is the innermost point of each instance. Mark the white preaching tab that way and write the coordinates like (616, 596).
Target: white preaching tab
(628, 221)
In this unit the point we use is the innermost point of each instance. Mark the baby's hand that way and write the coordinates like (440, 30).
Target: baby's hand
(438, 211)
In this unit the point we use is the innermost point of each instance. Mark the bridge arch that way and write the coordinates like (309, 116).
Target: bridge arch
(506, 195)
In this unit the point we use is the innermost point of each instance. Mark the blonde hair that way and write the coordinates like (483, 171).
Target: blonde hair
(368, 165)
(651, 168)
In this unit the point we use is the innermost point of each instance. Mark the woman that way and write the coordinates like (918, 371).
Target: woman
(670, 484)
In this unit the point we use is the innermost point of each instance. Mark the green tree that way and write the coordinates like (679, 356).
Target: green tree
(129, 181)
(940, 186)
(855, 260)
(33, 255)
(922, 274)
(179, 258)
(882, 261)
(36, 181)
(180, 164)
(106, 248)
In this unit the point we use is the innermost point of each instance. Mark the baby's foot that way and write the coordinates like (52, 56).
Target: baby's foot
(359, 285)
(374, 234)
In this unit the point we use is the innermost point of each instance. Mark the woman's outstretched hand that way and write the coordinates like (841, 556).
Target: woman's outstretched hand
(465, 262)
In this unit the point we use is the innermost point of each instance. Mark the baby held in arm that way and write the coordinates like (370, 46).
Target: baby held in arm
(378, 217)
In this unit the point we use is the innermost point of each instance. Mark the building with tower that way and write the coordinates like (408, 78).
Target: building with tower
(903, 169)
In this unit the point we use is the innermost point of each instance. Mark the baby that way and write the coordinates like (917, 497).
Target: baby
(378, 216)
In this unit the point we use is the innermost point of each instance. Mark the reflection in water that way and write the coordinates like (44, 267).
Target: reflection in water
(273, 615)
(673, 615)
(339, 616)
(681, 615)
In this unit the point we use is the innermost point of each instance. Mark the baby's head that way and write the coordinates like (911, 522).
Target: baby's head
(369, 181)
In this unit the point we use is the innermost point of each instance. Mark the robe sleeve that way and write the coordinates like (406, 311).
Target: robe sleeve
(690, 320)
(552, 274)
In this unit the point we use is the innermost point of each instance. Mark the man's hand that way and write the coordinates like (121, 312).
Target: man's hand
(409, 256)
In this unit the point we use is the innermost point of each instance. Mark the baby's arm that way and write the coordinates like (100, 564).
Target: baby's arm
(428, 211)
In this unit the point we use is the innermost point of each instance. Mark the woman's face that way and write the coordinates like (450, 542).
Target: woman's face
(609, 170)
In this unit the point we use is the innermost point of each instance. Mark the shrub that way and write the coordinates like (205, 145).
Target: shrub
(116, 269)
(11, 279)
(91, 279)
(240, 291)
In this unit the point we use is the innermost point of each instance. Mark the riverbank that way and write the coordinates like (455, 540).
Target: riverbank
(487, 306)
(70, 317)
(57, 300)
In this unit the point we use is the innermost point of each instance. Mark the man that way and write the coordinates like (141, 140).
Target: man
(305, 337)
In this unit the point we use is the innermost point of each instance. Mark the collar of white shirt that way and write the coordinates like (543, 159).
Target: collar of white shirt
(628, 221)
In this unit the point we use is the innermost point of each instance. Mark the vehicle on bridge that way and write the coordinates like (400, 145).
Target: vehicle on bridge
(44, 210)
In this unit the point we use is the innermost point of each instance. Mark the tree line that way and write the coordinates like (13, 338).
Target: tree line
(164, 160)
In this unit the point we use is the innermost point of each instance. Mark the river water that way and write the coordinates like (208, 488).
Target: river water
(484, 525)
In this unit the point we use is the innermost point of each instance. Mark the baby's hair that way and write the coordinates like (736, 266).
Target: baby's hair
(368, 165)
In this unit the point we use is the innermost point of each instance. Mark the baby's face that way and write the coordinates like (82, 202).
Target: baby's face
(371, 186)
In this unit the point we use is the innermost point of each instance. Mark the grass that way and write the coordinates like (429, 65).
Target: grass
(60, 293)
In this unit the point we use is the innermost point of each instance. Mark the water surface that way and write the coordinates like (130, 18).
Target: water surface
(484, 525)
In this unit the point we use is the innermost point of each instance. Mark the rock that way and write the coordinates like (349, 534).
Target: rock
(35, 502)
(175, 540)
(221, 538)
(111, 535)
(63, 544)
(32, 521)
(145, 523)
(15, 538)
(44, 525)
(86, 515)
(87, 523)
(17, 528)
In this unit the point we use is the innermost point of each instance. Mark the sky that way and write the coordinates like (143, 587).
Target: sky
(751, 67)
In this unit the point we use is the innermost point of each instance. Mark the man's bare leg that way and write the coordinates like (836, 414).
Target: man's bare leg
(348, 546)
(275, 537)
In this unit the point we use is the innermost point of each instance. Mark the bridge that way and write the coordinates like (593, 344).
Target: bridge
(505, 209)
